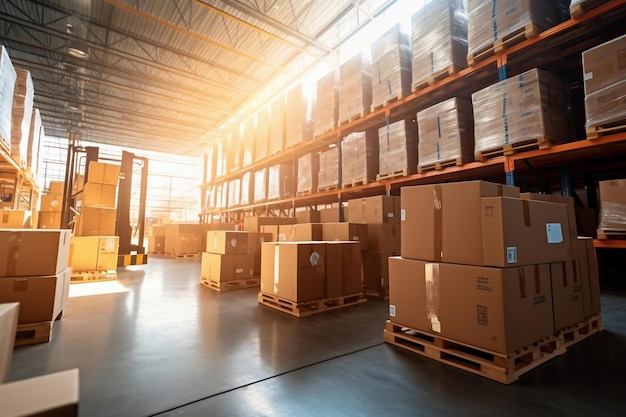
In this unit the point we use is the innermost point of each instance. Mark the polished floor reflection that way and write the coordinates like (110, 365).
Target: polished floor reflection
(155, 342)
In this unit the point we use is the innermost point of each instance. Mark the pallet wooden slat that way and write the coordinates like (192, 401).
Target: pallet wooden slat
(362, 114)
(438, 166)
(396, 174)
(308, 308)
(611, 234)
(93, 276)
(513, 148)
(327, 188)
(435, 77)
(528, 31)
(381, 293)
(596, 132)
(579, 8)
(182, 255)
(33, 333)
(239, 284)
(387, 102)
(356, 183)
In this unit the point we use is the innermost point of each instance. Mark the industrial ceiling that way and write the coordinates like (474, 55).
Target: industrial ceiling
(169, 75)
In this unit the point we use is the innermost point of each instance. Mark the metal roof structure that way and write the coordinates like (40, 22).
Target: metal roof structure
(169, 75)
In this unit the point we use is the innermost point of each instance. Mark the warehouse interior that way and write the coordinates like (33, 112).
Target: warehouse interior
(442, 181)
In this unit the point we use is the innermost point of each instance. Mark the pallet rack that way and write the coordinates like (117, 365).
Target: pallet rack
(25, 188)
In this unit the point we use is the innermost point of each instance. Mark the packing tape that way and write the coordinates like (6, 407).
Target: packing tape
(438, 222)
(537, 279)
(521, 276)
(431, 278)
(15, 241)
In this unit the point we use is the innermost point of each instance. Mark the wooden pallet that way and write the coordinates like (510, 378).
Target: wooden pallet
(580, 331)
(308, 308)
(239, 284)
(33, 333)
(435, 77)
(156, 253)
(387, 102)
(356, 183)
(582, 7)
(396, 174)
(513, 148)
(529, 31)
(304, 193)
(327, 188)
(376, 292)
(498, 367)
(93, 276)
(356, 117)
(594, 133)
(323, 132)
(182, 255)
(611, 234)
(438, 166)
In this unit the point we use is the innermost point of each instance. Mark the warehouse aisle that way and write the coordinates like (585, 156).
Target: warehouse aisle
(159, 344)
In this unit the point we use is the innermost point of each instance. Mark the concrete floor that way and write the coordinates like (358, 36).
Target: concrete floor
(160, 344)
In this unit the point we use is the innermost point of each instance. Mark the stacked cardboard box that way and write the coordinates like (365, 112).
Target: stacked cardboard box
(439, 34)
(355, 87)
(308, 173)
(446, 133)
(328, 177)
(247, 188)
(532, 106)
(234, 192)
(51, 206)
(300, 232)
(308, 216)
(331, 214)
(262, 134)
(156, 239)
(397, 145)
(359, 158)
(613, 206)
(299, 115)
(21, 115)
(254, 223)
(391, 66)
(227, 257)
(93, 253)
(490, 269)
(35, 140)
(247, 134)
(260, 185)
(345, 232)
(326, 106)
(183, 239)
(605, 86)
(17, 219)
(98, 201)
(41, 287)
(8, 325)
(280, 181)
(276, 128)
(7, 88)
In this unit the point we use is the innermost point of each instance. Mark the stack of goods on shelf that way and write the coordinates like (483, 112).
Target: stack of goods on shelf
(234, 192)
(42, 286)
(219, 189)
(494, 24)
(210, 162)
(491, 272)
(579, 7)
(21, 115)
(299, 115)
(233, 152)
(260, 185)
(224, 196)
(156, 239)
(446, 135)
(247, 189)
(256, 223)
(97, 202)
(308, 216)
(90, 254)
(391, 67)
(276, 138)
(439, 34)
(328, 177)
(355, 88)
(526, 111)
(35, 140)
(331, 214)
(262, 134)
(300, 232)
(308, 173)
(605, 86)
(345, 232)
(280, 182)
(326, 108)
(183, 239)
(612, 208)
(7, 87)
(248, 142)
(397, 149)
(51, 206)
(220, 160)
(227, 262)
(381, 214)
(359, 159)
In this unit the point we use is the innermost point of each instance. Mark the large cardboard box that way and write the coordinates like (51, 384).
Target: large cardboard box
(377, 209)
(343, 269)
(426, 236)
(8, 324)
(158, 230)
(331, 215)
(218, 267)
(19, 247)
(308, 216)
(254, 223)
(53, 395)
(183, 238)
(497, 309)
(567, 294)
(334, 271)
(96, 221)
(569, 203)
(93, 253)
(376, 268)
(383, 237)
(255, 241)
(304, 232)
(156, 244)
(41, 298)
(99, 195)
(227, 242)
(49, 220)
(273, 230)
(15, 219)
(587, 264)
(51, 202)
(613, 205)
(345, 232)
(57, 187)
(294, 271)
(102, 173)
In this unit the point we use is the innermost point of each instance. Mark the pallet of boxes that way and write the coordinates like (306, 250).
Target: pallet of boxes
(490, 281)
(94, 246)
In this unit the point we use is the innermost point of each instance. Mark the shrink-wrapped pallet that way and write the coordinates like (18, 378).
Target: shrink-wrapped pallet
(276, 141)
(7, 88)
(279, 181)
(359, 158)
(260, 185)
(328, 177)
(397, 149)
(327, 104)
(34, 142)
(391, 66)
(355, 87)
(247, 135)
(308, 169)
(247, 189)
(21, 115)
(262, 134)
(299, 115)
(613, 206)
(234, 192)
(233, 151)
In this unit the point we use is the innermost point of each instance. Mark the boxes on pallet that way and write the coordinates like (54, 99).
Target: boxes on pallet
(308, 173)
(183, 239)
(299, 115)
(16, 219)
(605, 88)
(343, 269)
(397, 146)
(234, 192)
(276, 128)
(613, 205)
(439, 34)
(156, 244)
(383, 237)
(359, 158)
(247, 135)
(97, 195)
(103, 173)
(327, 104)
(21, 115)
(376, 209)
(34, 142)
(376, 268)
(18, 248)
(355, 87)
(308, 216)
(93, 253)
(446, 133)
(96, 221)
(567, 294)
(7, 88)
(498, 309)
(8, 323)
(51, 202)
(254, 223)
(262, 134)
(247, 189)
(222, 268)
(587, 264)
(280, 181)
(227, 242)
(255, 241)
(529, 108)
(331, 215)
(328, 177)
(391, 66)
(346, 232)
(303, 232)
(210, 162)
(260, 185)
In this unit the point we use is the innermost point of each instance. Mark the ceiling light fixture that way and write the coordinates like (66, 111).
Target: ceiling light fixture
(78, 50)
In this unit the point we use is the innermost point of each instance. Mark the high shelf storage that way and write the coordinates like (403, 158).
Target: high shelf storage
(557, 50)
(19, 187)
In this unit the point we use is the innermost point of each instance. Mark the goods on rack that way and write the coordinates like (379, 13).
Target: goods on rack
(232, 151)
(391, 67)
(579, 7)
(280, 181)
(328, 178)
(355, 88)
(308, 172)
(7, 88)
(260, 185)
(359, 159)
(234, 192)
(299, 115)
(397, 149)
(21, 114)
(246, 133)
(612, 208)
(276, 127)
(326, 106)
(262, 134)
(247, 188)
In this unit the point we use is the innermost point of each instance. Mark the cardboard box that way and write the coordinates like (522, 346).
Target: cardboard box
(613, 205)
(53, 395)
(93, 253)
(376, 268)
(588, 269)
(377, 209)
(559, 199)
(99, 195)
(304, 232)
(15, 219)
(255, 241)
(41, 298)
(156, 244)
(567, 294)
(498, 309)
(51, 202)
(101, 173)
(254, 223)
(57, 187)
(383, 237)
(158, 230)
(308, 216)
(345, 232)
(183, 244)
(331, 215)
(49, 220)
(294, 271)
(352, 267)
(223, 268)
(19, 247)
(227, 242)
(8, 325)
(334, 271)
(273, 231)
(426, 236)
(96, 221)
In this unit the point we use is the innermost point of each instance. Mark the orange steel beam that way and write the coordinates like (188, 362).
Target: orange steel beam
(610, 243)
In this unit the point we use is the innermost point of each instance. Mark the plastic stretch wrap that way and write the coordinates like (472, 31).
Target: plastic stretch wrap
(221, 191)
(613, 205)
(300, 115)
(439, 35)
(326, 106)
(234, 192)
(445, 132)
(220, 163)
(279, 181)
(355, 87)
(391, 66)
(276, 141)
(604, 69)
(233, 151)
(359, 157)
(260, 185)
(247, 189)
(493, 20)
(211, 161)
(246, 133)
(262, 134)
(397, 147)
(308, 170)
(530, 106)
(210, 198)
(7, 87)
(21, 115)
(34, 142)
(329, 169)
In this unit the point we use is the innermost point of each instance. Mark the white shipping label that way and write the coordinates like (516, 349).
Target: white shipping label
(511, 255)
(108, 244)
(314, 258)
(355, 238)
(392, 311)
(233, 243)
(588, 76)
(403, 215)
(390, 214)
(554, 232)
(239, 271)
